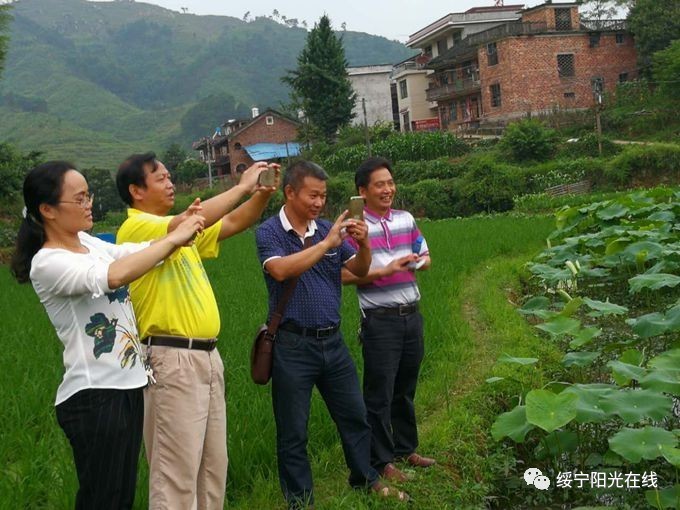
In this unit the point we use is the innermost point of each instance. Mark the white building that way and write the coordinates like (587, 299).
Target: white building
(372, 84)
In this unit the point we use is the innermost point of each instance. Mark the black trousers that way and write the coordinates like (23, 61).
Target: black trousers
(104, 427)
(393, 351)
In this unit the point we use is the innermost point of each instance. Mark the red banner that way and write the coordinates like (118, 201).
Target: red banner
(426, 124)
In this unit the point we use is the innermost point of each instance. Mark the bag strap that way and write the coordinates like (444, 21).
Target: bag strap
(288, 289)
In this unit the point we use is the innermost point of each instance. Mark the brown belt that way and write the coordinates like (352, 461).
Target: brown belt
(201, 344)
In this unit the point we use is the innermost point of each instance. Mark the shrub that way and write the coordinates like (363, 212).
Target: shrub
(587, 146)
(417, 146)
(430, 198)
(490, 187)
(564, 171)
(528, 140)
(645, 164)
(410, 172)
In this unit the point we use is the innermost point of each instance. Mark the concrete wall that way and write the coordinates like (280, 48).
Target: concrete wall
(372, 83)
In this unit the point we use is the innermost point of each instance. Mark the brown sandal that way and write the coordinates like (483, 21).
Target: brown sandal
(385, 491)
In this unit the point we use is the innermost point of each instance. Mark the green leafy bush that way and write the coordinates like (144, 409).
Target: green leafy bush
(489, 187)
(645, 164)
(529, 140)
(415, 146)
(410, 172)
(587, 146)
(562, 171)
(430, 198)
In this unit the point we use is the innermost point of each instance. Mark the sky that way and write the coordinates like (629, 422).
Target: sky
(394, 19)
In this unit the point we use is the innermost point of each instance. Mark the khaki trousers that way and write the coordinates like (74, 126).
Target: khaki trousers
(185, 430)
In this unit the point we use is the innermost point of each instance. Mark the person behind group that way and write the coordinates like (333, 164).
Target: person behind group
(392, 326)
(81, 281)
(309, 350)
(185, 428)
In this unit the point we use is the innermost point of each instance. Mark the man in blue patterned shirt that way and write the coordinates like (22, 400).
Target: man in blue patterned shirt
(309, 349)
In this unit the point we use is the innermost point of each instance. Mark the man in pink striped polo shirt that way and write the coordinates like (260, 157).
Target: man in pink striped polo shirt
(391, 326)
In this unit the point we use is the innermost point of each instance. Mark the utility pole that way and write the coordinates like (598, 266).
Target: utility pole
(368, 138)
(598, 87)
(208, 152)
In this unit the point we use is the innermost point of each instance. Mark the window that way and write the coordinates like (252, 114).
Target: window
(441, 46)
(269, 120)
(565, 65)
(453, 111)
(563, 19)
(403, 91)
(237, 146)
(620, 38)
(594, 39)
(495, 91)
(569, 95)
(223, 150)
(492, 54)
(623, 77)
(240, 168)
(428, 50)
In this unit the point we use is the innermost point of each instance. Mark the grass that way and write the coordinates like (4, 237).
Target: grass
(468, 322)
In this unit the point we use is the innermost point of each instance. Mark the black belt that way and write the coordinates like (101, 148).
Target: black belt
(201, 344)
(313, 332)
(400, 310)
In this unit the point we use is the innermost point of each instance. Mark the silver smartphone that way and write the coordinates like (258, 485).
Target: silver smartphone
(356, 208)
(267, 177)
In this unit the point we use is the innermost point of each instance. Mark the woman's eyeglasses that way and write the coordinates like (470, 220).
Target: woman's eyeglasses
(84, 202)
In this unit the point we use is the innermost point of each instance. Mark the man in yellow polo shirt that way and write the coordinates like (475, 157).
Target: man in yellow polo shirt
(185, 424)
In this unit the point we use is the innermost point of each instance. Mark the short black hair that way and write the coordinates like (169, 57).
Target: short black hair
(295, 174)
(131, 171)
(363, 174)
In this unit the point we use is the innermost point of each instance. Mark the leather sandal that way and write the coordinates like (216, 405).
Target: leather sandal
(417, 460)
(387, 492)
(393, 474)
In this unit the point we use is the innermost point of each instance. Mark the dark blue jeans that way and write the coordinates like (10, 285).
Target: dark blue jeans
(301, 362)
(393, 351)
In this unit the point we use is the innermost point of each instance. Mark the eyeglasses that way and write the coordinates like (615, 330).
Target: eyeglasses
(84, 202)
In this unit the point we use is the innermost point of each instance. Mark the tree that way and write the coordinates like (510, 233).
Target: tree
(173, 156)
(320, 84)
(106, 198)
(599, 9)
(5, 18)
(667, 70)
(190, 170)
(654, 23)
(13, 168)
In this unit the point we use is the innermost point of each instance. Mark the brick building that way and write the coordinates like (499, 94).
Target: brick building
(549, 59)
(269, 136)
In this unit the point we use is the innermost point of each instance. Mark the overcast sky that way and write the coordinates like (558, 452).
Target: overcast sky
(394, 19)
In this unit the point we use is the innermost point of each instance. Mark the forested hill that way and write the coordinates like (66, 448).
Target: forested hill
(91, 81)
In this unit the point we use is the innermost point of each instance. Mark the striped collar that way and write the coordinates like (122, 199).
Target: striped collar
(374, 217)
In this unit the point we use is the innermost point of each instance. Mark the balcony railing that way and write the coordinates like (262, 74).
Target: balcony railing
(473, 41)
(411, 65)
(450, 90)
(604, 24)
